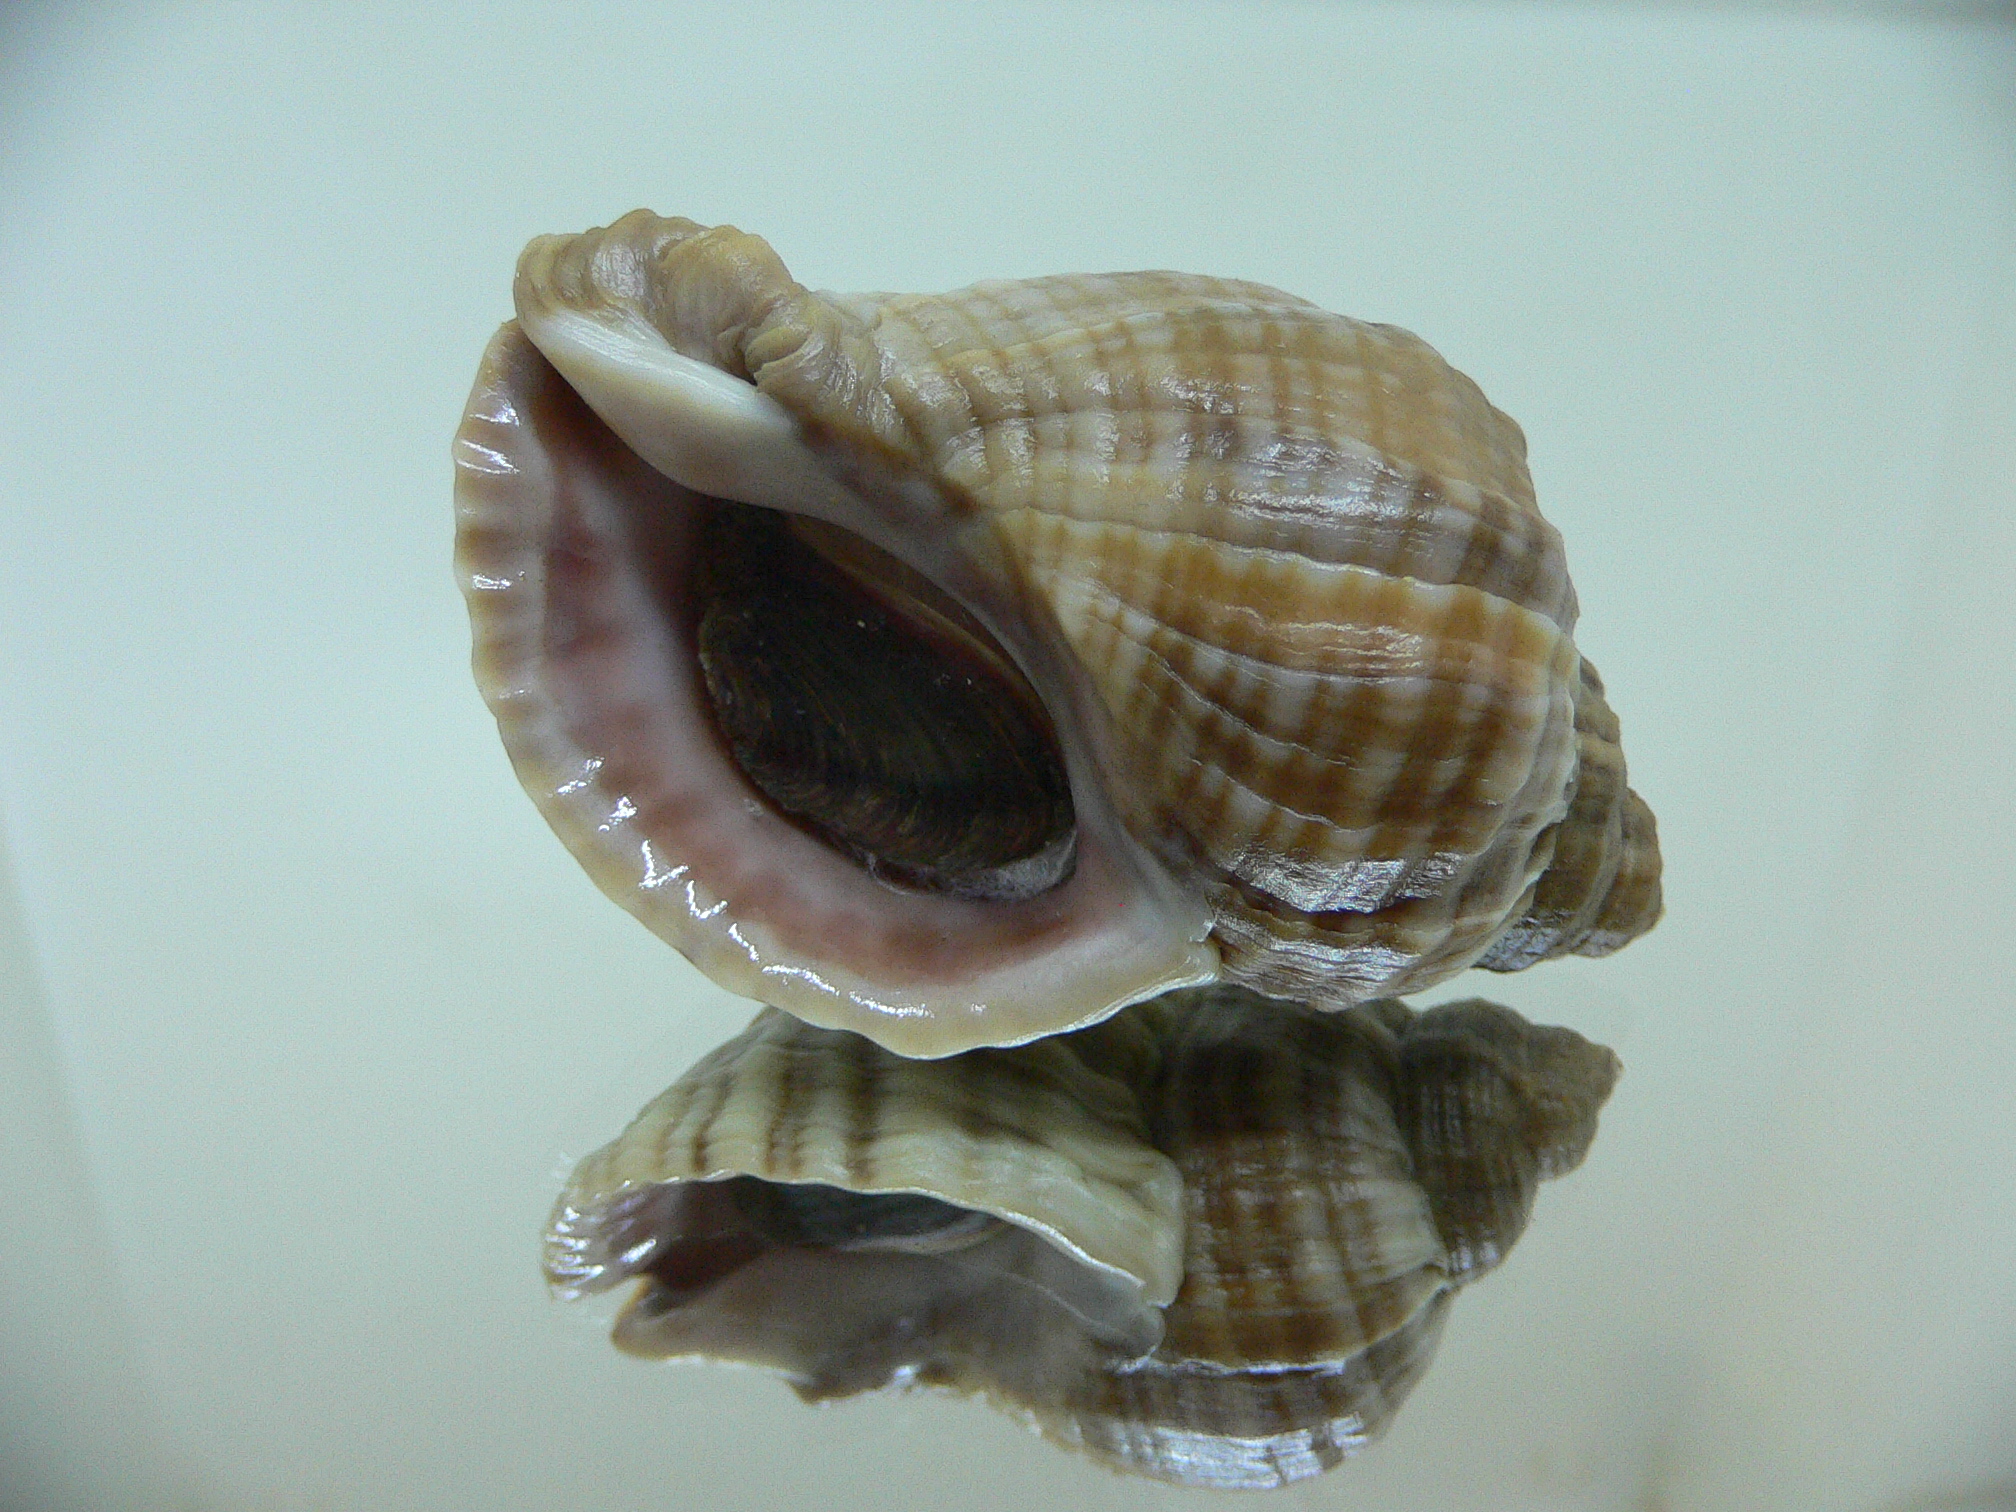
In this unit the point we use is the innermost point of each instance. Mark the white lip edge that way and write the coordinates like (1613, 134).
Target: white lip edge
(1141, 959)
(725, 438)
(730, 440)
(561, 779)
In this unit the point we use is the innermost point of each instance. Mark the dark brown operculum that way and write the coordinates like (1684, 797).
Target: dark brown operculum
(1601, 890)
(903, 739)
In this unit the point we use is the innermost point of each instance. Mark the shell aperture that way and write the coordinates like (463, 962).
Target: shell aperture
(926, 761)
(1212, 1240)
(1273, 578)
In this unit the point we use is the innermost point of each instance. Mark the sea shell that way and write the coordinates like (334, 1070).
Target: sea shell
(1254, 598)
(1211, 1240)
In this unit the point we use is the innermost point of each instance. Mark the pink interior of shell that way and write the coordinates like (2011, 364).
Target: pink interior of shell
(575, 557)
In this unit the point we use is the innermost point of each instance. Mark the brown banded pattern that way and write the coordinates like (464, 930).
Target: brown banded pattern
(1281, 1204)
(1276, 575)
(1040, 1135)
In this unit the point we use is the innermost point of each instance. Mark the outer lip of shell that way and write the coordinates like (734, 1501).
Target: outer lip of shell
(599, 708)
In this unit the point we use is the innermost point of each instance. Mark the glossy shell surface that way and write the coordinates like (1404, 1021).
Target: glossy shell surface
(1275, 577)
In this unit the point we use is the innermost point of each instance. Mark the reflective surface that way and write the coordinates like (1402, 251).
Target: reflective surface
(317, 1014)
(1210, 1241)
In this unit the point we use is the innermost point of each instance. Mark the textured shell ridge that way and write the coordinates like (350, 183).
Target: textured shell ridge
(1274, 575)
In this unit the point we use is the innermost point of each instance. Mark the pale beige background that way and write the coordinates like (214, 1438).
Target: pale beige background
(302, 1010)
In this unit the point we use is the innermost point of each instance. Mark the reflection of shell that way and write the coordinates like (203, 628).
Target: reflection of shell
(1274, 579)
(1319, 1182)
(1049, 1137)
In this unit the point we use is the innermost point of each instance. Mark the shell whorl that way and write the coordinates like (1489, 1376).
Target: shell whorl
(1601, 889)
(1276, 575)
